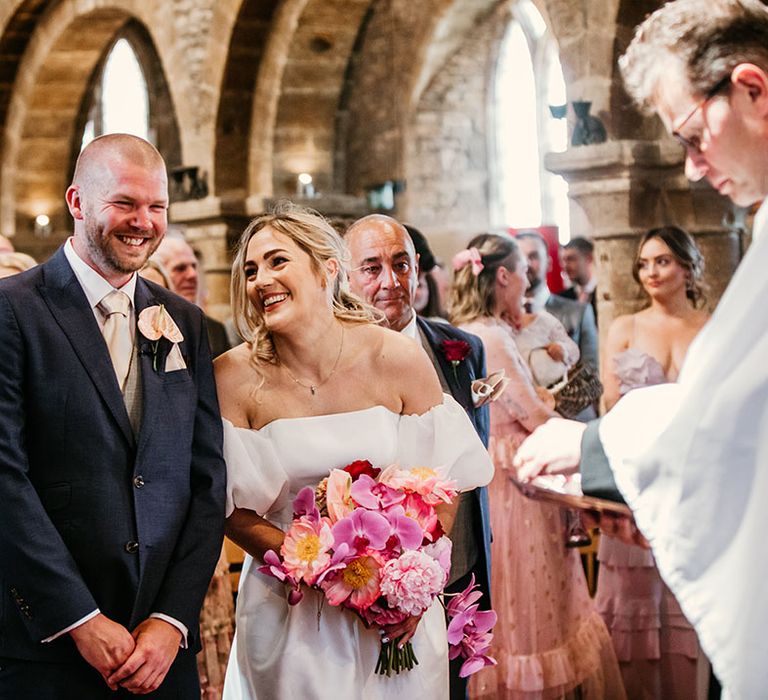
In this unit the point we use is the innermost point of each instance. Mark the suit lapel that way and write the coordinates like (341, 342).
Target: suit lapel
(68, 304)
(151, 382)
(458, 381)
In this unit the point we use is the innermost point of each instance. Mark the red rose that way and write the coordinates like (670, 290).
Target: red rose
(362, 466)
(456, 350)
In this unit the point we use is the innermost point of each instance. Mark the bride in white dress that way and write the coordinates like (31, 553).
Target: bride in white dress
(319, 387)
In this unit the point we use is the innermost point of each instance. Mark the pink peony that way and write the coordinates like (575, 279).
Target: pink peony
(411, 582)
(357, 585)
(305, 549)
(337, 495)
(424, 481)
(440, 551)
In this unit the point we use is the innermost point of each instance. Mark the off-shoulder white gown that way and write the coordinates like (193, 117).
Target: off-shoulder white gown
(312, 650)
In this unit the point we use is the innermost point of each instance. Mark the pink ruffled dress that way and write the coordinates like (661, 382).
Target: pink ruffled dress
(550, 641)
(656, 646)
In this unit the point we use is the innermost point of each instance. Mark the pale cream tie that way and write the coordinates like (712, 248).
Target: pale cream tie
(117, 333)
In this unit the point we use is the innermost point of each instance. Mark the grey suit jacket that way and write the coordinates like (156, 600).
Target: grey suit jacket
(579, 322)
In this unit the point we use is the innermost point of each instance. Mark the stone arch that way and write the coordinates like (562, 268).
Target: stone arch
(248, 45)
(312, 64)
(66, 45)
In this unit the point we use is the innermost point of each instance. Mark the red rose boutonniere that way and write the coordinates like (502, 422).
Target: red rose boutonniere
(455, 351)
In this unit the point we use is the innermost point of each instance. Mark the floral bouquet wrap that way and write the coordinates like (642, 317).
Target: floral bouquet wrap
(371, 541)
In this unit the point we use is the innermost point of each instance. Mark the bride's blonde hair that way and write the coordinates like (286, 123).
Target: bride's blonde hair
(318, 239)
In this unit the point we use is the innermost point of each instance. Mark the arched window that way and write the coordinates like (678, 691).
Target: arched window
(528, 80)
(120, 98)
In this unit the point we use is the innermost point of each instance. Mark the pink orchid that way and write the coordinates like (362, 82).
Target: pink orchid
(469, 630)
(357, 585)
(361, 530)
(440, 551)
(304, 504)
(274, 567)
(424, 481)
(374, 496)
(338, 497)
(404, 530)
(306, 548)
(411, 582)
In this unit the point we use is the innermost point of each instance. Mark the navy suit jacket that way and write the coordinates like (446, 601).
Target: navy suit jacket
(460, 384)
(92, 516)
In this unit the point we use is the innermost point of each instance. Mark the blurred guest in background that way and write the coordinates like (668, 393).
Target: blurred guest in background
(5, 244)
(578, 258)
(178, 258)
(428, 300)
(155, 272)
(549, 642)
(13, 263)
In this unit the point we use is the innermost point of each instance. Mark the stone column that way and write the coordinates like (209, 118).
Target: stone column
(619, 190)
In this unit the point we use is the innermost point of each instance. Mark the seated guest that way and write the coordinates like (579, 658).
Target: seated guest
(579, 264)
(549, 641)
(12, 263)
(384, 271)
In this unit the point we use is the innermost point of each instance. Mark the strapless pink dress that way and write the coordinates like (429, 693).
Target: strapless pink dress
(656, 646)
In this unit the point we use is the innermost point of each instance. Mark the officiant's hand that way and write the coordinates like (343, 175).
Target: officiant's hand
(157, 643)
(104, 644)
(403, 631)
(553, 448)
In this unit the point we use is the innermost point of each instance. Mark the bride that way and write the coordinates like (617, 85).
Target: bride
(317, 386)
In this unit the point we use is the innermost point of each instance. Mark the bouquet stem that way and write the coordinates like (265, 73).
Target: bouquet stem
(394, 659)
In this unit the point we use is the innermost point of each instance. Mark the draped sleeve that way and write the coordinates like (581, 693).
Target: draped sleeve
(256, 479)
(444, 438)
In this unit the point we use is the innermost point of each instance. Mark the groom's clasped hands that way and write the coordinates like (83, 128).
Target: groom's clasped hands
(135, 661)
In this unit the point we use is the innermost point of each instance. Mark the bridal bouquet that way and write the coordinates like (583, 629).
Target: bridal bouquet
(371, 541)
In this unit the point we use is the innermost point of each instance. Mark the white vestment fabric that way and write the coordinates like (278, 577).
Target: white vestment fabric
(691, 459)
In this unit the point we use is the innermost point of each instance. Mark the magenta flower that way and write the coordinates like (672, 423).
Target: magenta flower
(469, 632)
(304, 504)
(361, 530)
(373, 496)
(274, 567)
(404, 531)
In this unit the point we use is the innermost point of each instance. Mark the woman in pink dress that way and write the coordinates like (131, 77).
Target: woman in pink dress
(656, 646)
(549, 642)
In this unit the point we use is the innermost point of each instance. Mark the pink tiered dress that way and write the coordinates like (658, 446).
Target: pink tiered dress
(550, 641)
(656, 646)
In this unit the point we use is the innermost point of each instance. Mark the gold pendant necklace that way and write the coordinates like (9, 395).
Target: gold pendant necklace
(314, 387)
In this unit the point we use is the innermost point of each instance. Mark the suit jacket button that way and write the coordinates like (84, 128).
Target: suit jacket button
(138, 481)
(131, 547)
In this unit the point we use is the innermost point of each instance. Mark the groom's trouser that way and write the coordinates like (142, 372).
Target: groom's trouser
(34, 680)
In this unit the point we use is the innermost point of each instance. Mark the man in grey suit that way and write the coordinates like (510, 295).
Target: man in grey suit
(577, 318)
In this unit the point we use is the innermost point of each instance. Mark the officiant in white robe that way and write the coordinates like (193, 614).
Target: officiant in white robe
(691, 459)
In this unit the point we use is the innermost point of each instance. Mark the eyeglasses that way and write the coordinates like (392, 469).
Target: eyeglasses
(693, 143)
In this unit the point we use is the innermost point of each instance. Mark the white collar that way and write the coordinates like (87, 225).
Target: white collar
(761, 220)
(540, 297)
(93, 284)
(411, 330)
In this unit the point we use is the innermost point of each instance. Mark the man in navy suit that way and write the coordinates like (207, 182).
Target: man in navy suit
(111, 473)
(384, 271)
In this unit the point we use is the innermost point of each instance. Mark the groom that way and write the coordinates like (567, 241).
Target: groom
(111, 474)
(385, 271)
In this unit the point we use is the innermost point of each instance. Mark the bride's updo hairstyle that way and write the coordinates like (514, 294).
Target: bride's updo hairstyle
(474, 281)
(319, 240)
(687, 254)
